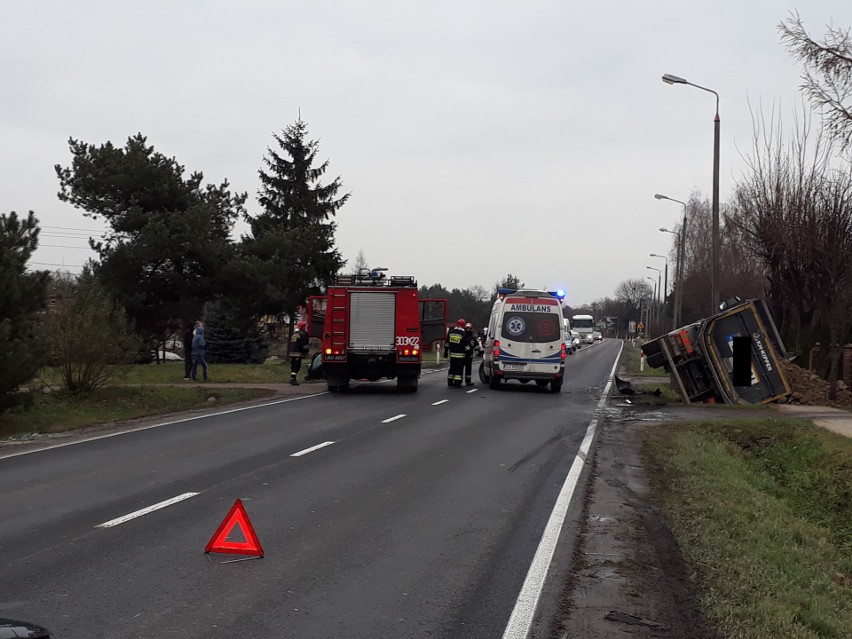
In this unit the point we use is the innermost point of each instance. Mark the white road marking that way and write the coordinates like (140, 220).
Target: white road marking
(393, 419)
(311, 449)
(521, 620)
(439, 402)
(145, 511)
(472, 390)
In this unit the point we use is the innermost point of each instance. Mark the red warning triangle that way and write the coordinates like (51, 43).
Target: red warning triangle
(237, 516)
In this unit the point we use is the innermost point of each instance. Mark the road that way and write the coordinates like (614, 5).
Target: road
(421, 519)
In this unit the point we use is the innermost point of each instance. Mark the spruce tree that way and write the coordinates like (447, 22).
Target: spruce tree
(22, 299)
(227, 342)
(292, 240)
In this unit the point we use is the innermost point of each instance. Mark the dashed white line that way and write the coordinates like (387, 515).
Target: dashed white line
(438, 403)
(393, 419)
(311, 449)
(472, 390)
(145, 511)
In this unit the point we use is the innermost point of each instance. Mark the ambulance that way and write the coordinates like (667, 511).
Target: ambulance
(525, 340)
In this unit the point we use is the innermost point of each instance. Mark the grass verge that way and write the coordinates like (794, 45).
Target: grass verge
(762, 510)
(58, 412)
(275, 371)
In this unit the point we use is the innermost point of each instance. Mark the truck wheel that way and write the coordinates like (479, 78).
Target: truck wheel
(337, 384)
(407, 384)
(555, 386)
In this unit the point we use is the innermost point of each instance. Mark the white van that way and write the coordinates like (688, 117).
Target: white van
(525, 340)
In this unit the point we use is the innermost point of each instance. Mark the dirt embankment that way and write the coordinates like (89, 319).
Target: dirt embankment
(810, 389)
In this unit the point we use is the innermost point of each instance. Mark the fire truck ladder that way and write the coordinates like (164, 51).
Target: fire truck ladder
(338, 312)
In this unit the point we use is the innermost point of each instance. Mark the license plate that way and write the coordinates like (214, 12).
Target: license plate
(514, 367)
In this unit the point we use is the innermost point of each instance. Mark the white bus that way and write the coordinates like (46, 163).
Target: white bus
(585, 326)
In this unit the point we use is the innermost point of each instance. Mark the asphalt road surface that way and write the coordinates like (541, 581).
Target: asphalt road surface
(380, 515)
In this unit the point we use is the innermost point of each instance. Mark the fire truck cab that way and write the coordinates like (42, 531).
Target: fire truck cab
(372, 326)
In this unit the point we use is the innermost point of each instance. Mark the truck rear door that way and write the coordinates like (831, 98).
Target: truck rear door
(433, 322)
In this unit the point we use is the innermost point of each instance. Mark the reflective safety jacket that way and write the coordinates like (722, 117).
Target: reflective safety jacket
(457, 344)
(299, 344)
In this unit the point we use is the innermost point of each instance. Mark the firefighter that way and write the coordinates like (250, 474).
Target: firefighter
(456, 348)
(468, 356)
(299, 344)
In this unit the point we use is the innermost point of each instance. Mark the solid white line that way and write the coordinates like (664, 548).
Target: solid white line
(442, 401)
(392, 419)
(311, 449)
(176, 421)
(521, 620)
(145, 511)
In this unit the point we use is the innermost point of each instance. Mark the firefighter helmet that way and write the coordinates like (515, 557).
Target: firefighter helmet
(460, 323)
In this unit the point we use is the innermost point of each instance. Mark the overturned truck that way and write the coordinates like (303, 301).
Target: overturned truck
(731, 357)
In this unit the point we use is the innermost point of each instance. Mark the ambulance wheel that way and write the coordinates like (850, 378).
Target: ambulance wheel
(541, 383)
(482, 375)
(555, 386)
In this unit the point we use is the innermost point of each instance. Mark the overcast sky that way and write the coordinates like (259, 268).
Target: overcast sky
(477, 138)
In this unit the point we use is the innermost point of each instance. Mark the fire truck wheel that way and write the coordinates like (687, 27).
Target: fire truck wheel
(407, 384)
(337, 384)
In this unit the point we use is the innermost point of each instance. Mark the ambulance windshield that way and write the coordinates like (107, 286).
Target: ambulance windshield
(531, 327)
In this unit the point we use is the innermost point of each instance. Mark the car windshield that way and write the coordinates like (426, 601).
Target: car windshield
(531, 327)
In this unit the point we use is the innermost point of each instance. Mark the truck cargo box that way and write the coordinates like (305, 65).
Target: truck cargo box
(731, 357)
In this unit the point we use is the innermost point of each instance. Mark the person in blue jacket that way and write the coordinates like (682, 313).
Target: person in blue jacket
(198, 352)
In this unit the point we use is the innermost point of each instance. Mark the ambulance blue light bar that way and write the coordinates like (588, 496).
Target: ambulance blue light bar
(503, 292)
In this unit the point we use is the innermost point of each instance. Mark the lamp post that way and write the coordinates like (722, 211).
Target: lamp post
(665, 289)
(681, 258)
(714, 270)
(679, 277)
(651, 306)
(659, 288)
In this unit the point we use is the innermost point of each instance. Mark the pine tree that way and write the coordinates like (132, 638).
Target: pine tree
(168, 243)
(22, 298)
(292, 241)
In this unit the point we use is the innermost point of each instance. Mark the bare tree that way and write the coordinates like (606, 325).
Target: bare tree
(634, 296)
(794, 210)
(88, 334)
(360, 263)
(827, 74)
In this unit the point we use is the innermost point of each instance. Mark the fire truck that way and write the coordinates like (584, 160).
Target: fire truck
(373, 326)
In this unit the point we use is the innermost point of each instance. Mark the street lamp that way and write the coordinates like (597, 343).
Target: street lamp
(665, 289)
(714, 270)
(676, 319)
(651, 307)
(659, 278)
